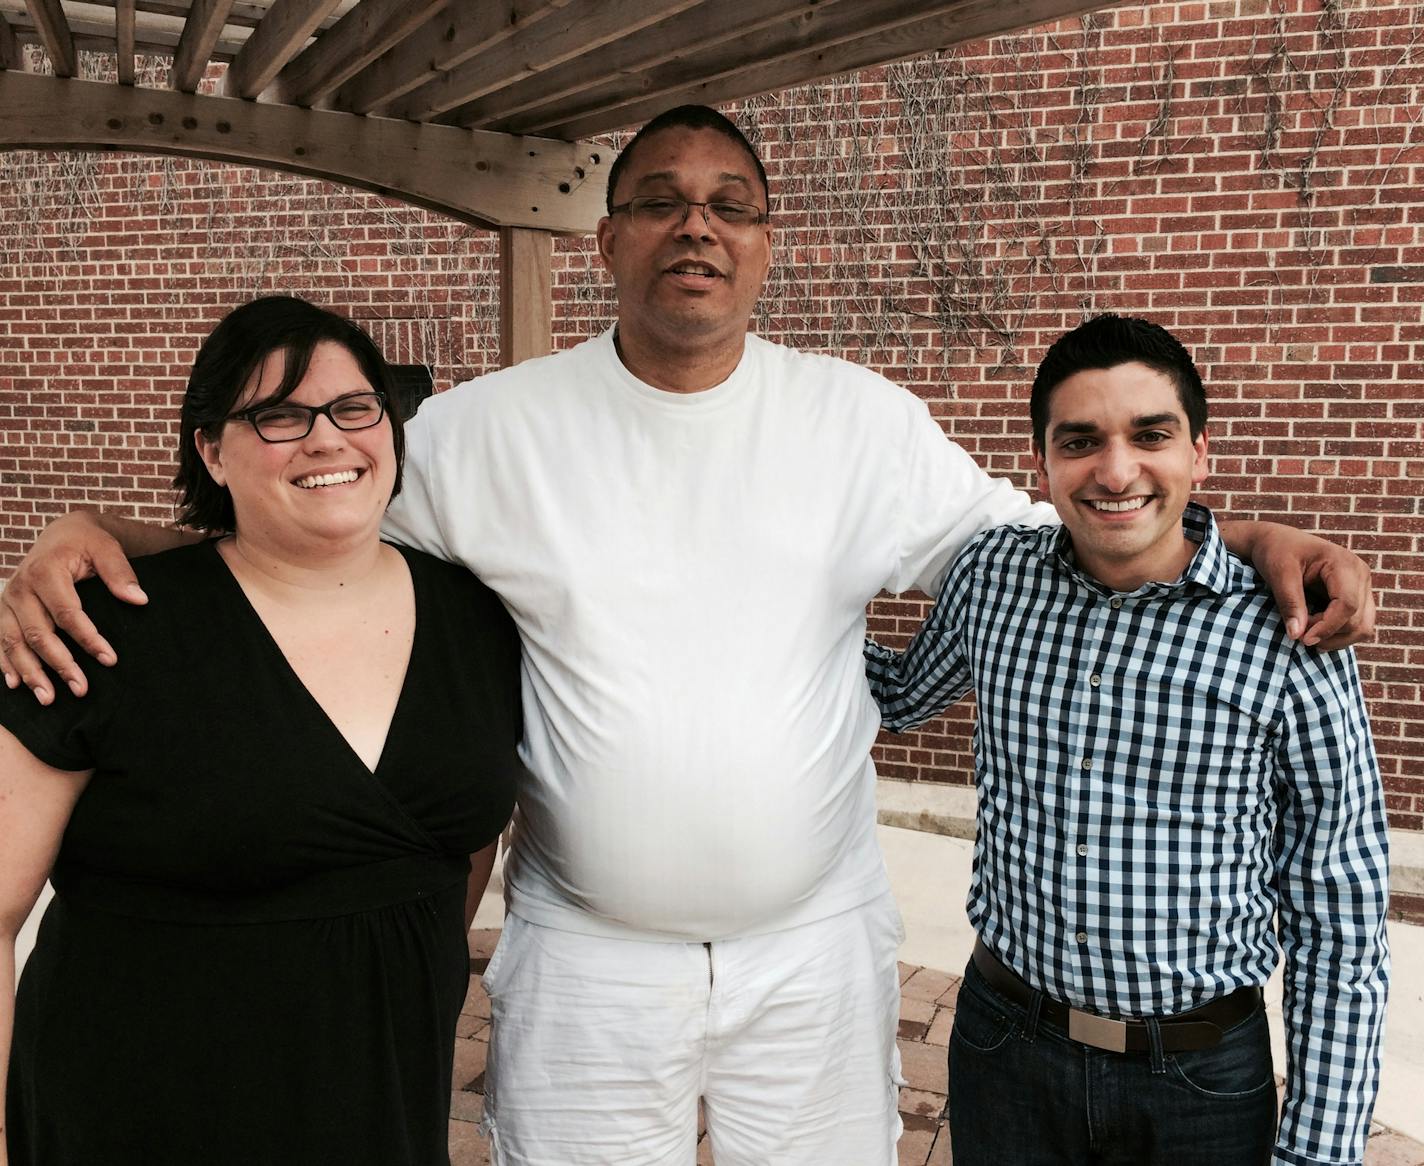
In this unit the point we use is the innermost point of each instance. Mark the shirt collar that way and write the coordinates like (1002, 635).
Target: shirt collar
(1211, 567)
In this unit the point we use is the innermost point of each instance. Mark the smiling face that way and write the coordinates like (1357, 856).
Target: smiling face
(328, 488)
(1118, 463)
(694, 285)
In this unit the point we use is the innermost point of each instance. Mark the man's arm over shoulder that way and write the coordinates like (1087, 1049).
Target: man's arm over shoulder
(1332, 875)
(41, 595)
(933, 671)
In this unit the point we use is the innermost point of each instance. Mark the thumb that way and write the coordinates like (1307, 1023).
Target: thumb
(112, 566)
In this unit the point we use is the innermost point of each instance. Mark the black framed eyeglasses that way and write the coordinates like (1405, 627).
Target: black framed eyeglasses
(288, 421)
(658, 211)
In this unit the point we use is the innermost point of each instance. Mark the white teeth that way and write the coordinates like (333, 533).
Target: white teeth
(1118, 507)
(693, 269)
(311, 481)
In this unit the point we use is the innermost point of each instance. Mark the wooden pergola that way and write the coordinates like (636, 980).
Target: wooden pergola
(479, 109)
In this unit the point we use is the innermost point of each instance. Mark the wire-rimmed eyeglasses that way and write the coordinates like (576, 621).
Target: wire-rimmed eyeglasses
(288, 421)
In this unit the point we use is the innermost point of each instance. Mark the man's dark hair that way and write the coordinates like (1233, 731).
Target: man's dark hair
(1106, 342)
(226, 362)
(691, 117)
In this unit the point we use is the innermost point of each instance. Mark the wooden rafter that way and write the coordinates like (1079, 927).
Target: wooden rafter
(706, 26)
(357, 39)
(10, 57)
(283, 31)
(585, 30)
(460, 33)
(124, 40)
(494, 180)
(832, 44)
(195, 47)
(54, 33)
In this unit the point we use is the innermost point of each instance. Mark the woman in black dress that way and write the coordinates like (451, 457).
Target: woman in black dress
(267, 825)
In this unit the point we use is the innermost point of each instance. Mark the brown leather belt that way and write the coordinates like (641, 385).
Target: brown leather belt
(1200, 1028)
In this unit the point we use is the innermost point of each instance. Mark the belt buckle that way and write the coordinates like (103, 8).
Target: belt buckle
(1098, 1031)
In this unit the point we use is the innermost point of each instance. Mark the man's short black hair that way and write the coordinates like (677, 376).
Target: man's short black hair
(1106, 342)
(234, 351)
(691, 117)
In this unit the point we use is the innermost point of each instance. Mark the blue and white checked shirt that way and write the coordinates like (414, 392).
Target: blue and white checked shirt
(1159, 774)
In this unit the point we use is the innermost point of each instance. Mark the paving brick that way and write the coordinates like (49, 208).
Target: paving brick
(482, 943)
(927, 984)
(467, 1148)
(918, 1103)
(915, 1146)
(467, 1107)
(924, 1067)
(940, 1029)
(1391, 1149)
(470, 1064)
(469, 1026)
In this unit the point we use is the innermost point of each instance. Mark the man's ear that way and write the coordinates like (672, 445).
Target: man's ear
(1200, 463)
(210, 450)
(605, 233)
(1042, 469)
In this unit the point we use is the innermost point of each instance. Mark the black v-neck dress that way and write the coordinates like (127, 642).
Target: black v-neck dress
(256, 952)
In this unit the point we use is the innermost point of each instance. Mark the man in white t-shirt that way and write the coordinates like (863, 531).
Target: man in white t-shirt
(687, 523)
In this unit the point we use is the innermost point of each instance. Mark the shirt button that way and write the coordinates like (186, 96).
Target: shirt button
(1082, 850)
(1095, 680)
(1114, 602)
(1087, 763)
(1081, 937)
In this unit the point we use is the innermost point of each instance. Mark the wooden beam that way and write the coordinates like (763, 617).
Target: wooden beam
(526, 306)
(10, 55)
(281, 35)
(195, 47)
(705, 26)
(460, 33)
(576, 32)
(124, 40)
(351, 44)
(492, 180)
(58, 41)
(795, 57)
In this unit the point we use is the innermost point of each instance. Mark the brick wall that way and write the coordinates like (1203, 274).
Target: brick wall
(1245, 172)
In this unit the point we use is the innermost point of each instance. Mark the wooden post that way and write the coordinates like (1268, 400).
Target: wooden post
(526, 305)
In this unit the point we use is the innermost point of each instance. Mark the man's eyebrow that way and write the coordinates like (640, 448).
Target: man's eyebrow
(726, 178)
(1064, 427)
(1145, 421)
(1150, 419)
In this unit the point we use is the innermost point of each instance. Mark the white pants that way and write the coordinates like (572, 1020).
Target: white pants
(601, 1048)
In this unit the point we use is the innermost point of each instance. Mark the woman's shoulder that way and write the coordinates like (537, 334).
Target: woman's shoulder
(447, 581)
(167, 578)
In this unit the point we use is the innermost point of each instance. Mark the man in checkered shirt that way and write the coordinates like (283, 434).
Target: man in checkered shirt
(1162, 774)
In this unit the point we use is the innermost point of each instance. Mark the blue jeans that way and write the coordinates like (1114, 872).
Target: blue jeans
(1022, 1093)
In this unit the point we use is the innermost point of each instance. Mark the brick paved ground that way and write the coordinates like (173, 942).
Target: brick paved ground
(926, 1013)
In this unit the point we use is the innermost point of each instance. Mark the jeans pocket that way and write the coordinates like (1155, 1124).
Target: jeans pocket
(978, 1025)
(1239, 1067)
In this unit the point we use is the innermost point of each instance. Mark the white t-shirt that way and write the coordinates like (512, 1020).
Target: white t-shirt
(689, 574)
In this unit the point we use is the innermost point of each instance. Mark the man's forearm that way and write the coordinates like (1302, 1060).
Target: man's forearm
(143, 538)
